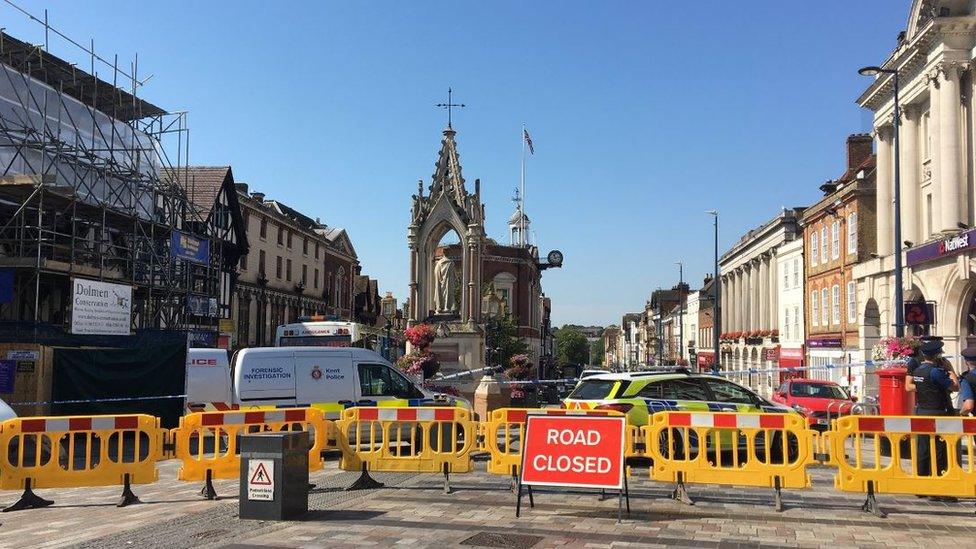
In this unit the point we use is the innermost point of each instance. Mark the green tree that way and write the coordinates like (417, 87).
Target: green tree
(596, 352)
(571, 347)
(502, 341)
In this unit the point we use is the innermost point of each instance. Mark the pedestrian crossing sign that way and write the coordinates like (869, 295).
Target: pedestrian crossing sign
(260, 480)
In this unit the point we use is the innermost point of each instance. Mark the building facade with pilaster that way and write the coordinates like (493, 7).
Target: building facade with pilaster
(749, 294)
(937, 98)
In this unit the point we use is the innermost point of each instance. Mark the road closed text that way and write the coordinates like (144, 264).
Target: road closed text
(574, 451)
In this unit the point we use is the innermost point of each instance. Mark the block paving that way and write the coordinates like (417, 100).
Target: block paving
(413, 510)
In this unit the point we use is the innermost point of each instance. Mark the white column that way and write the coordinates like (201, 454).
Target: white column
(753, 295)
(910, 190)
(884, 184)
(739, 294)
(935, 159)
(950, 185)
(773, 292)
(763, 293)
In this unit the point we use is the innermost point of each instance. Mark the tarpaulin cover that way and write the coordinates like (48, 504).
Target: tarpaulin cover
(92, 374)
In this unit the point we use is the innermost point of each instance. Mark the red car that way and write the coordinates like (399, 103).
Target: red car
(814, 398)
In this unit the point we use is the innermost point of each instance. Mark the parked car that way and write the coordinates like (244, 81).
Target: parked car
(815, 399)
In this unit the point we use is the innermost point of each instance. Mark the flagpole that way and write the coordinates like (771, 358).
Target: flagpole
(522, 202)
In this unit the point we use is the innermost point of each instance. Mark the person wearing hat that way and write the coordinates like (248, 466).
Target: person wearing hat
(967, 382)
(934, 381)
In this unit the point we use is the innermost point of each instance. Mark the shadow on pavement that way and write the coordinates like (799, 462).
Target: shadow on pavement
(340, 515)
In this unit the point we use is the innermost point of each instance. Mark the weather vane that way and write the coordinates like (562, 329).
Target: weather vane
(449, 106)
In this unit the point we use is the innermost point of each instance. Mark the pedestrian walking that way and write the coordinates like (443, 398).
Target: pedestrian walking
(934, 380)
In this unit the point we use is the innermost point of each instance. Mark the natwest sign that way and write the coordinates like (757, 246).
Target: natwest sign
(933, 250)
(580, 451)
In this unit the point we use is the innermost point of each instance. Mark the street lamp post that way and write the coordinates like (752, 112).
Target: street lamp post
(716, 307)
(681, 311)
(899, 293)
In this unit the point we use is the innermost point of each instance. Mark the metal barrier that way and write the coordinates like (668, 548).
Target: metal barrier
(731, 449)
(920, 455)
(504, 431)
(427, 440)
(207, 443)
(78, 451)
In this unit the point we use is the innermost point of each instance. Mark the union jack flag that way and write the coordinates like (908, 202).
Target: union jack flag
(528, 140)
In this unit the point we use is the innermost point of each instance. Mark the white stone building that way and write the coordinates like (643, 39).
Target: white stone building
(690, 328)
(934, 60)
(790, 300)
(750, 299)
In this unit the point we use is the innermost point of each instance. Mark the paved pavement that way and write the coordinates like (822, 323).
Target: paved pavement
(413, 510)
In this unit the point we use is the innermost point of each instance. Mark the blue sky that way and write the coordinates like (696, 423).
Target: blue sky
(643, 115)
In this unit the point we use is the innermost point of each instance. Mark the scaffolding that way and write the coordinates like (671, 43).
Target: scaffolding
(92, 185)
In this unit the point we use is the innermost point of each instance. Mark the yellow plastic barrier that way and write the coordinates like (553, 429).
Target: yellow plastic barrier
(407, 439)
(78, 451)
(207, 442)
(768, 450)
(504, 431)
(886, 454)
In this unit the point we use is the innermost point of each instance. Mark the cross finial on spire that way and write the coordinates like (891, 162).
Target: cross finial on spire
(449, 106)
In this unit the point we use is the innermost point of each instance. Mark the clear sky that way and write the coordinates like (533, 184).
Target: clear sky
(643, 115)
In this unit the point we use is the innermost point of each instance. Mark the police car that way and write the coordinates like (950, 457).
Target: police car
(640, 394)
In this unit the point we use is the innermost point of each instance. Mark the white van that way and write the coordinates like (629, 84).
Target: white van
(208, 382)
(328, 378)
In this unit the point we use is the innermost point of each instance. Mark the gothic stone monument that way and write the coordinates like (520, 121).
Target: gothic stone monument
(445, 288)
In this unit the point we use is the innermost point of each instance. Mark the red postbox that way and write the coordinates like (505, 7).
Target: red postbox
(893, 399)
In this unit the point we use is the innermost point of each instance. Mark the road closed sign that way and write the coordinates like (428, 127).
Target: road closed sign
(582, 451)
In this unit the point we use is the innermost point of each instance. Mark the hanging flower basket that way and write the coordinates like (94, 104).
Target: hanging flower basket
(895, 348)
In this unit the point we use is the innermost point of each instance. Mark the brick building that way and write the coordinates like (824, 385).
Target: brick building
(296, 266)
(839, 232)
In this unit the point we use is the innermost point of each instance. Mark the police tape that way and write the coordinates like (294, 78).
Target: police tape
(94, 400)
(792, 369)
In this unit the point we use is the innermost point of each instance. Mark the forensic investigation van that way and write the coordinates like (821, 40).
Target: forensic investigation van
(328, 378)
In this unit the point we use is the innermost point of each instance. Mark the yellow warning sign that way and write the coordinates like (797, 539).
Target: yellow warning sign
(260, 480)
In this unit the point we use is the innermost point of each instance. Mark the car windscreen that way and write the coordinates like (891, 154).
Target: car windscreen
(818, 390)
(592, 389)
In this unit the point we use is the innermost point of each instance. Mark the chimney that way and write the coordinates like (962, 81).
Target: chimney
(859, 148)
(258, 196)
(241, 187)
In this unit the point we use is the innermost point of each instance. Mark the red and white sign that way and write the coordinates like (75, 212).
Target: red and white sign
(581, 451)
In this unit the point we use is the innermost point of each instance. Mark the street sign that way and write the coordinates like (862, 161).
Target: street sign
(260, 480)
(578, 451)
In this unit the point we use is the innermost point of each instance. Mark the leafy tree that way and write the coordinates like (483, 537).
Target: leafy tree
(596, 352)
(571, 347)
(502, 341)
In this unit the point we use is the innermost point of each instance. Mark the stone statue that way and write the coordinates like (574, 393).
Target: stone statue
(444, 278)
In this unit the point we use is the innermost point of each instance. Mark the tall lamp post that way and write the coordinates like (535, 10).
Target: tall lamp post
(716, 306)
(899, 294)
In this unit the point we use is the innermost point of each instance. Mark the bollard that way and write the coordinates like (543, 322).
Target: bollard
(274, 475)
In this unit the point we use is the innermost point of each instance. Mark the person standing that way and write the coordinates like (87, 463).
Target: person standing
(967, 383)
(934, 381)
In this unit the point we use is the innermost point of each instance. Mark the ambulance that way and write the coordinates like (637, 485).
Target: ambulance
(328, 378)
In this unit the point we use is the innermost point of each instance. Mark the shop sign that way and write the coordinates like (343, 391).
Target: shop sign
(792, 354)
(201, 338)
(770, 353)
(934, 250)
(26, 360)
(824, 343)
(190, 248)
(100, 308)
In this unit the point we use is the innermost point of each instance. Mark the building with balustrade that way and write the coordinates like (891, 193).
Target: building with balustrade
(749, 294)
(934, 61)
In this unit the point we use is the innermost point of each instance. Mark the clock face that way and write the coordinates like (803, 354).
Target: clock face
(555, 257)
